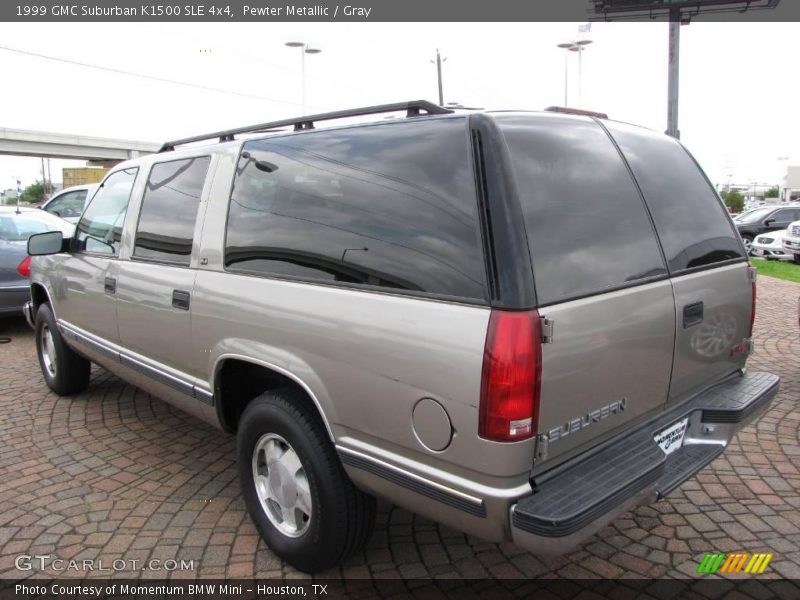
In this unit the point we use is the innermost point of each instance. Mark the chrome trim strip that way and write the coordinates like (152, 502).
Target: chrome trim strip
(14, 288)
(465, 502)
(204, 395)
(81, 338)
(161, 376)
(157, 375)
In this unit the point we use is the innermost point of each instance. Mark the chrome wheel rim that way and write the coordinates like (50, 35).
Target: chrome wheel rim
(282, 485)
(48, 350)
(748, 245)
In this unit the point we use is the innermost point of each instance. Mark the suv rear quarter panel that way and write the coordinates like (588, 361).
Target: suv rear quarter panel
(367, 357)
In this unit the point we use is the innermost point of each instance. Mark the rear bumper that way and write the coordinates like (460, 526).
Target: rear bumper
(12, 299)
(27, 310)
(573, 501)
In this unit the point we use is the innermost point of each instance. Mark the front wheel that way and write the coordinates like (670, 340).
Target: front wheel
(796, 258)
(296, 490)
(65, 371)
(748, 243)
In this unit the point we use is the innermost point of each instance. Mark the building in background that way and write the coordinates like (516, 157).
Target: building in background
(82, 175)
(791, 188)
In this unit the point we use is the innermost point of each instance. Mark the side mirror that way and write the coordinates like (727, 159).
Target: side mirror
(769, 222)
(51, 242)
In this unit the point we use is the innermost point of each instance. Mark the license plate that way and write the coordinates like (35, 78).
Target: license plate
(671, 438)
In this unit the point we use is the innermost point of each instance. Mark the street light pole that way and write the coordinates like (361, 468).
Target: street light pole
(305, 49)
(674, 73)
(576, 46)
(438, 62)
(566, 46)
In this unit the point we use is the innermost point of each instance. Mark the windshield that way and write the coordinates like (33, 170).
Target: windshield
(753, 215)
(19, 227)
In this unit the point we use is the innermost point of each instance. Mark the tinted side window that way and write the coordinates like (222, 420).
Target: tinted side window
(784, 216)
(690, 218)
(169, 209)
(67, 205)
(588, 230)
(100, 227)
(390, 205)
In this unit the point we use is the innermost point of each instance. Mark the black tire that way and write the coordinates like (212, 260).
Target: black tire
(70, 371)
(796, 258)
(341, 517)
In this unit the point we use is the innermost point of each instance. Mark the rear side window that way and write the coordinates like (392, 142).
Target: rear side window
(691, 221)
(588, 230)
(391, 206)
(169, 210)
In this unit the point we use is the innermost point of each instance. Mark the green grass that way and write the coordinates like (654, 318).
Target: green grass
(780, 269)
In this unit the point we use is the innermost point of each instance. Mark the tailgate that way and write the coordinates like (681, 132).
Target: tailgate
(712, 327)
(608, 366)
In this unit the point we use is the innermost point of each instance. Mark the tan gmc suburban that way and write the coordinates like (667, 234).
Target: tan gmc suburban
(519, 324)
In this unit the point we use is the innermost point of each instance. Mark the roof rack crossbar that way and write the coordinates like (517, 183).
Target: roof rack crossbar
(413, 109)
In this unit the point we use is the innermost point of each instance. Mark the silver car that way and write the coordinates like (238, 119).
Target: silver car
(517, 324)
(16, 226)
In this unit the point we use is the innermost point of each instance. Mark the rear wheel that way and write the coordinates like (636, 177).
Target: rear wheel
(65, 371)
(296, 490)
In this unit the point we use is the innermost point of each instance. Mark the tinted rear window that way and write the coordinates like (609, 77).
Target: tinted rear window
(588, 230)
(389, 206)
(691, 221)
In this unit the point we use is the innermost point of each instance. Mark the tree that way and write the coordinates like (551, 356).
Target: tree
(734, 200)
(773, 192)
(33, 193)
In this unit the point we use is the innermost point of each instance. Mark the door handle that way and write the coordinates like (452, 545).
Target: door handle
(110, 285)
(692, 315)
(180, 299)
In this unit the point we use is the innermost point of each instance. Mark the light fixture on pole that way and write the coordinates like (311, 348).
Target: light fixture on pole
(304, 49)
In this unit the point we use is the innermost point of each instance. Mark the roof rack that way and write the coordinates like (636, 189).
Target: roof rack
(576, 111)
(413, 109)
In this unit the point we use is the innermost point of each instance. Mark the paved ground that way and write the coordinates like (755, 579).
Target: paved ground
(116, 475)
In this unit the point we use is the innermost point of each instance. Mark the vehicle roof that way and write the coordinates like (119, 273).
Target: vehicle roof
(216, 147)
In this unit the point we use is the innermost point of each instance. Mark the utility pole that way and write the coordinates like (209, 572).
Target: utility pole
(439, 60)
(674, 73)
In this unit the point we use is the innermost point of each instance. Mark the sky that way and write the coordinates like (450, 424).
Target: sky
(738, 88)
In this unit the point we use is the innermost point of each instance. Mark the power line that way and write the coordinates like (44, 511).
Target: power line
(144, 76)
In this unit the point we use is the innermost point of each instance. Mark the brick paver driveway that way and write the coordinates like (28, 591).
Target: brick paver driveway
(114, 474)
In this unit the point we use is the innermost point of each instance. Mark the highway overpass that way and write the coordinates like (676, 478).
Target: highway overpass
(24, 142)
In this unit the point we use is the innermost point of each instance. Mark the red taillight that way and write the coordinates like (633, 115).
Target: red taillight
(24, 267)
(753, 300)
(511, 382)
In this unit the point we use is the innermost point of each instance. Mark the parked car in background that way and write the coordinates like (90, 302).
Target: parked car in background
(68, 204)
(791, 241)
(764, 219)
(16, 226)
(770, 246)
